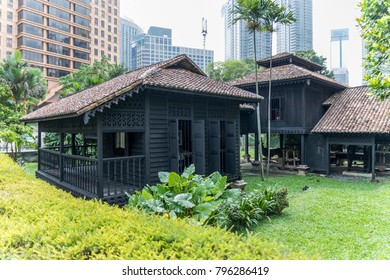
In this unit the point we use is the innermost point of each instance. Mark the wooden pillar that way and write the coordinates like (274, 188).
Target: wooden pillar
(39, 146)
(302, 155)
(73, 143)
(327, 158)
(283, 147)
(146, 164)
(257, 147)
(373, 148)
(247, 143)
(61, 165)
(100, 155)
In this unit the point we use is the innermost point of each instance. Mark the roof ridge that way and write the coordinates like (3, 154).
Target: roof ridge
(149, 72)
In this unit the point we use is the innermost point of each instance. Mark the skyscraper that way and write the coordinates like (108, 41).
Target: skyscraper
(298, 35)
(238, 40)
(58, 36)
(339, 46)
(129, 30)
(157, 46)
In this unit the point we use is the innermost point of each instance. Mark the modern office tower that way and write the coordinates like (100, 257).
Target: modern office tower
(58, 36)
(298, 35)
(238, 40)
(129, 30)
(157, 46)
(339, 45)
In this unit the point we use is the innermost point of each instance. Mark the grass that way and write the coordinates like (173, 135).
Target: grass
(30, 168)
(333, 219)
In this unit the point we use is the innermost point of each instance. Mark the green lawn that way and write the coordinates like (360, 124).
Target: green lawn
(333, 219)
(30, 168)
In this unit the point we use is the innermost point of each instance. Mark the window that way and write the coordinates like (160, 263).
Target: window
(58, 49)
(58, 13)
(9, 43)
(58, 37)
(102, 33)
(96, 11)
(62, 3)
(101, 53)
(59, 25)
(9, 16)
(96, 31)
(95, 52)
(10, 3)
(9, 29)
(95, 42)
(58, 61)
(81, 21)
(30, 16)
(81, 32)
(109, 38)
(29, 42)
(102, 23)
(102, 43)
(276, 109)
(81, 55)
(81, 43)
(56, 73)
(30, 29)
(81, 10)
(29, 55)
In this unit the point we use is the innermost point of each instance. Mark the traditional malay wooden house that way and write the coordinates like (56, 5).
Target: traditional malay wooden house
(360, 122)
(298, 92)
(161, 117)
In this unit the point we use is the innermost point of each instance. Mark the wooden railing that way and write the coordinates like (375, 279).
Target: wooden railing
(80, 172)
(50, 162)
(124, 174)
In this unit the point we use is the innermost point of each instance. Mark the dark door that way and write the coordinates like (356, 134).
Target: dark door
(174, 145)
(231, 147)
(214, 146)
(199, 147)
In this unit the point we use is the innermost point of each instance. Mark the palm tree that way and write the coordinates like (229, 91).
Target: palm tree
(26, 83)
(275, 15)
(252, 12)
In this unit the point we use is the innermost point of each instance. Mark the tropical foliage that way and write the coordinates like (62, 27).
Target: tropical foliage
(22, 87)
(208, 200)
(87, 76)
(375, 29)
(38, 222)
(230, 69)
(312, 56)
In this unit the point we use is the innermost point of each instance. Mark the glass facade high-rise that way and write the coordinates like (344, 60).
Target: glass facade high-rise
(239, 41)
(58, 36)
(297, 36)
(157, 46)
(129, 30)
(339, 41)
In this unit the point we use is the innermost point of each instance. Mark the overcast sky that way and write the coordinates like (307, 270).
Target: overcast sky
(184, 17)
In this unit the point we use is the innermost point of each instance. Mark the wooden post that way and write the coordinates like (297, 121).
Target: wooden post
(257, 147)
(100, 155)
(73, 143)
(247, 143)
(39, 146)
(373, 159)
(61, 165)
(147, 140)
(327, 158)
(302, 155)
(283, 146)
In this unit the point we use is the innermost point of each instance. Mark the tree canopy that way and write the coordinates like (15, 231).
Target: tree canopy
(26, 84)
(96, 73)
(230, 69)
(312, 56)
(375, 26)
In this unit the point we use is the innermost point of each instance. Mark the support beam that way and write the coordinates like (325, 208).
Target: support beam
(302, 155)
(257, 147)
(39, 146)
(100, 155)
(373, 148)
(247, 144)
(73, 143)
(283, 146)
(61, 165)
(327, 153)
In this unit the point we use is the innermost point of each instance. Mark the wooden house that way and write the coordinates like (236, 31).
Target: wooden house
(161, 117)
(298, 94)
(359, 122)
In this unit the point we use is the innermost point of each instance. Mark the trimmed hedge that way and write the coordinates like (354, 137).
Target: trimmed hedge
(39, 221)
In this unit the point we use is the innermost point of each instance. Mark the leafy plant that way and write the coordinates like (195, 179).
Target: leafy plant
(208, 200)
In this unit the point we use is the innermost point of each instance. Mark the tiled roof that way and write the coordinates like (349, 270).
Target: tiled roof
(177, 73)
(284, 73)
(288, 58)
(354, 111)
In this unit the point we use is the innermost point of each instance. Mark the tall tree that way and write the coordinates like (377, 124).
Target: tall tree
(26, 83)
(252, 12)
(312, 56)
(96, 73)
(375, 25)
(275, 15)
(230, 69)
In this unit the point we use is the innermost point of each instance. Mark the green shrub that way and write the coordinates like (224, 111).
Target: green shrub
(39, 221)
(207, 200)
